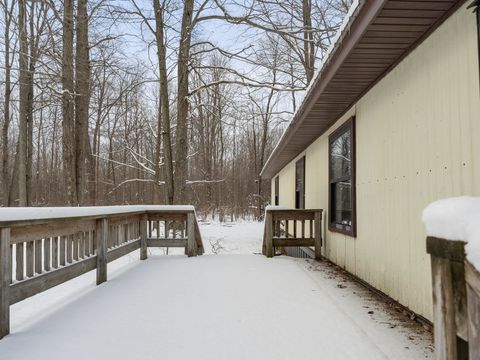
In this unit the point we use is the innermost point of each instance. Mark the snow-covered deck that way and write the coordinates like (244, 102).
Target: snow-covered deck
(234, 305)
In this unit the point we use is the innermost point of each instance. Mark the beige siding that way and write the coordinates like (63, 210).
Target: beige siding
(417, 141)
(286, 186)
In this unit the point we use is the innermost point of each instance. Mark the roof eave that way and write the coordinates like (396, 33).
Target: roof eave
(352, 30)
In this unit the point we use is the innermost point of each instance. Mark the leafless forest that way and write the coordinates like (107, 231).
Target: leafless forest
(157, 102)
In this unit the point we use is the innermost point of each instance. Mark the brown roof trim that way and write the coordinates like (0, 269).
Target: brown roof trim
(379, 34)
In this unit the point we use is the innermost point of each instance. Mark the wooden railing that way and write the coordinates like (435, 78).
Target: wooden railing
(40, 252)
(292, 227)
(456, 301)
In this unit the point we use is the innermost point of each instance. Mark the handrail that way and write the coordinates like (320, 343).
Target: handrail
(281, 229)
(44, 247)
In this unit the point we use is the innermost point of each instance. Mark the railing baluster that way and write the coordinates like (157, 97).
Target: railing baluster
(38, 256)
(46, 254)
(81, 250)
(94, 243)
(30, 259)
(69, 248)
(19, 255)
(63, 249)
(85, 245)
(88, 244)
(115, 236)
(75, 246)
(55, 252)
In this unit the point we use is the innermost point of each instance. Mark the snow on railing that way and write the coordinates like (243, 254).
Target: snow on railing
(44, 247)
(453, 242)
(286, 227)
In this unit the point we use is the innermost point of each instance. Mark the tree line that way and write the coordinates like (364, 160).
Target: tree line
(125, 102)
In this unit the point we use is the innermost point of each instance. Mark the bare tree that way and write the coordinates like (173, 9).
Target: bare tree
(82, 98)
(164, 133)
(8, 58)
(22, 151)
(68, 100)
(182, 102)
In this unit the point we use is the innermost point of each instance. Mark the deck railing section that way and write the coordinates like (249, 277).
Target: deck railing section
(292, 227)
(36, 255)
(456, 301)
(172, 230)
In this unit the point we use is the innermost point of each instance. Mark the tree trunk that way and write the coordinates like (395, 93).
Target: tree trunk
(6, 107)
(181, 165)
(164, 105)
(82, 98)
(309, 45)
(23, 106)
(68, 124)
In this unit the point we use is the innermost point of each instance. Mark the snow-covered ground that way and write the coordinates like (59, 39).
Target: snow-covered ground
(230, 303)
(232, 238)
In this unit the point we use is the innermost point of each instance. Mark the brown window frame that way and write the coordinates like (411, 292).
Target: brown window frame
(276, 199)
(348, 125)
(301, 204)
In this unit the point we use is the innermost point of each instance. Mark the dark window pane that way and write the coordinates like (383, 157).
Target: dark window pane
(300, 184)
(277, 190)
(342, 203)
(341, 156)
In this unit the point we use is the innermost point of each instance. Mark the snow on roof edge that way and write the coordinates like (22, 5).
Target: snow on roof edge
(349, 17)
(456, 219)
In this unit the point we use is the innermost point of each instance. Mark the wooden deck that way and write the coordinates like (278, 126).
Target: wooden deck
(209, 307)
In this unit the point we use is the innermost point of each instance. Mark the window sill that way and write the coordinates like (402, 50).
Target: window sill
(334, 228)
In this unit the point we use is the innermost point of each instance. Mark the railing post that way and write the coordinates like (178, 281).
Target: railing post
(449, 298)
(143, 237)
(191, 244)
(101, 236)
(472, 278)
(269, 234)
(5, 279)
(318, 235)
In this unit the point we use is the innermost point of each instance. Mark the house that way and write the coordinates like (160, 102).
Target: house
(390, 123)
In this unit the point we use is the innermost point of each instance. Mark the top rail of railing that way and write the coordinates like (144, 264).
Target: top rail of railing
(21, 216)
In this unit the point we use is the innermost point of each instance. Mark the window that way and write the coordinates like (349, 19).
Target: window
(341, 162)
(277, 189)
(300, 184)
